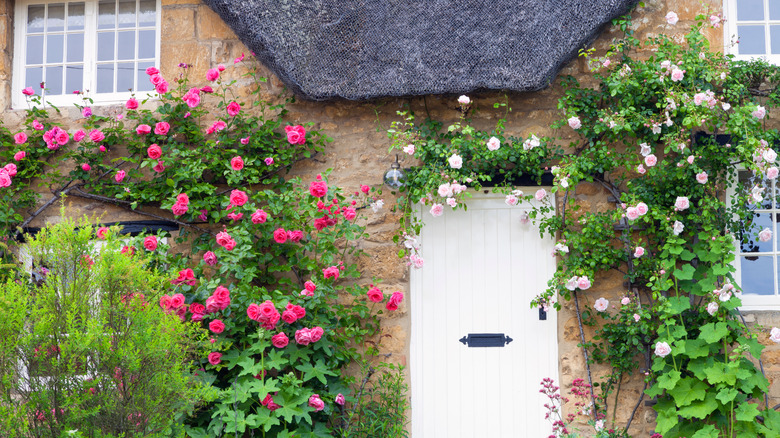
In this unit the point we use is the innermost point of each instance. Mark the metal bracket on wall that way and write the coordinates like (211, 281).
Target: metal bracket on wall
(485, 340)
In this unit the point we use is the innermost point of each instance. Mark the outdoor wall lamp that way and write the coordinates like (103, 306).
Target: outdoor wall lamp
(395, 177)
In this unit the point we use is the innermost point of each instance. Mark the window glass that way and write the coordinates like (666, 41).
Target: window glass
(55, 20)
(757, 275)
(75, 16)
(750, 10)
(751, 40)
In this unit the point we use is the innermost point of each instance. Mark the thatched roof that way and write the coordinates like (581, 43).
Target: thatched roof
(362, 49)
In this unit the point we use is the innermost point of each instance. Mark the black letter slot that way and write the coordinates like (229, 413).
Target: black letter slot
(485, 340)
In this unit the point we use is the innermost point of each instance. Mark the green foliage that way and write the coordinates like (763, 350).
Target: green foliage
(83, 349)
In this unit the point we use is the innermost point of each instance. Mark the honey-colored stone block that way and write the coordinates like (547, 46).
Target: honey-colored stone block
(178, 24)
(211, 26)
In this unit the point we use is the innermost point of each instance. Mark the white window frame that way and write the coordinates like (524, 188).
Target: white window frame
(730, 34)
(89, 84)
(754, 302)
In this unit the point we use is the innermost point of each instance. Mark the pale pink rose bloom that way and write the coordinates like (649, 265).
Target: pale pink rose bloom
(511, 200)
(571, 284)
(636, 317)
(574, 122)
(645, 149)
(625, 301)
(765, 235)
(662, 349)
(606, 63)
(712, 308)
(456, 161)
(651, 160)
(774, 335)
(677, 75)
(690, 157)
(452, 202)
(524, 218)
(601, 304)
(493, 144)
(759, 112)
(445, 190)
(772, 172)
(583, 283)
(714, 21)
(640, 169)
(682, 203)
(639, 252)
(769, 155)
(724, 295)
(416, 261)
(409, 149)
(540, 194)
(726, 106)
(437, 210)
(632, 213)
(642, 208)
(464, 100)
(671, 18)
(702, 177)
(698, 98)
(678, 228)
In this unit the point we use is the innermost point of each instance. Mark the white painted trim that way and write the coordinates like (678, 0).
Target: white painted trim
(730, 33)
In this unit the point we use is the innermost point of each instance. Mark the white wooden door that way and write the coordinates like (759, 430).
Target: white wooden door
(482, 268)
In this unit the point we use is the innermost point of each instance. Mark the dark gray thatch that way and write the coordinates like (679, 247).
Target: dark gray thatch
(362, 49)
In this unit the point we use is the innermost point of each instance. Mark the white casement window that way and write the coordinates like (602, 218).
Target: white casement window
(98, 47)
(756, 25)
(757, 262)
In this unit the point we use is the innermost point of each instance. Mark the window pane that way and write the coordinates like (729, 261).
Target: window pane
(35, 49)
(751, 40)
(33, 78)
(143, 79)
(749, 241)
(106, 14)
(126, 45)
(56, 19)
(750, 10)
(105, 78)
(146, 44)
(774, 9)
(74, 78)
(147, 13)
(54, 80)
(757, 275)
(105, 46)
(75, 16)
(54, 48)
(126, 13)
(774, 42)
(75, 47)
(124, 76)
(35, 18)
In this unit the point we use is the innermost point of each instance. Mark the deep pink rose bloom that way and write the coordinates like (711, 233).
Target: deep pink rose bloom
(86, 167)
(331, 272)
(79, 135)
(152, 71)
(394, 301)
(161, 128)
(235, 216)
(259, 217)
(280, 340)
(19, 156)
(310, 286)
(349, 213)
(212, 74)
(131, 104)
(303, 336)
(11, 169)
(289, 316)
(162, 87)
(280, 235)
(96, 136)
(143, 129)
(37, 125)
(182, 198)
(375, 295)
(318, 189)
(223, 237)
(253, 312)
(217, 326)
(233, 109)
(237, 163)
(159, 167)
(150, 243)
(365, 189)
(238, 198)
(295, 235)
(198, 311)
(154, 151)
(316, 333)
(269, 161)
(221, 293)
(212, 305)
(5, 178)
(165, 302)
(177, 300)
(20, 138)
(215, 358)
(192, 97)
(179, 209)
(156, 78)
(28, 91)
(221, 67)
(61, 137)
(300, 311)
(210, 258)
(295, 134)
(339, 400)
(101, 232)
(245, 140)
(86, 112)
(120, 176)
(186, 276)
(316, 402)
(207, 89)
(128, 250)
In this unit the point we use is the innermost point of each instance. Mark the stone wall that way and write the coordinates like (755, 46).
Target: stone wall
(193, 34)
